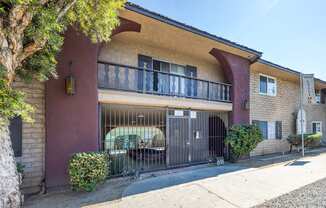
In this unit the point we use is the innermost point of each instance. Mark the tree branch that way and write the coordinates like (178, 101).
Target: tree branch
(65, 9)
(31, 48)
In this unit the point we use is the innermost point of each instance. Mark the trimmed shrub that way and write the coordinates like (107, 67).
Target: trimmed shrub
(242, 140)
(309, 139)
(87, 170)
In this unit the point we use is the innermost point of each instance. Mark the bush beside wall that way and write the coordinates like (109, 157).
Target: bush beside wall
(309, 140)
(242, 140)
(87, 170)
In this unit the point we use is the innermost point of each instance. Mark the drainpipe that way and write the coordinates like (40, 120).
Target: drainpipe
(301, 112)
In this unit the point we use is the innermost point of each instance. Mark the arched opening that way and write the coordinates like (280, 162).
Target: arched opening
(217, 133)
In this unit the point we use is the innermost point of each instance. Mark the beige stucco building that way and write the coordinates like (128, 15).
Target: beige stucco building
(160, 94)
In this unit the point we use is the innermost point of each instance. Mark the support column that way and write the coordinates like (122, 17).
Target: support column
(237, 72)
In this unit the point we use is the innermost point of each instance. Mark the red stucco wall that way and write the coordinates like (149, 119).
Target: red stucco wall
(237, 72)
(71, 121)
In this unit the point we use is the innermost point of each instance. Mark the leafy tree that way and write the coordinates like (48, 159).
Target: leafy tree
(31, 35)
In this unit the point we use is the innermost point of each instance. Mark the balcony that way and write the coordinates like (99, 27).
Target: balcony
(133, 79)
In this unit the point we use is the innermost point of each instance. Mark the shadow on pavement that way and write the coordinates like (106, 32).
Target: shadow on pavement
(174, 179)
(115, 189)
(297, 163)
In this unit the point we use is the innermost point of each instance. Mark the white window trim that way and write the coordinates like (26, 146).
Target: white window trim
(266, 94)
(269, 131)
(321, 126)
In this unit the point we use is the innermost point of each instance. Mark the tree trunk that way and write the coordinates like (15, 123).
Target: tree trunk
(10, 196)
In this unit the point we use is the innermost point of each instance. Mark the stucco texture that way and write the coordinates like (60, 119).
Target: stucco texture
(72, 121)
(125, 47)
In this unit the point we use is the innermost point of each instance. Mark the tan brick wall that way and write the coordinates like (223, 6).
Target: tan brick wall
(33, 140)
(281, 107)
(316, 112)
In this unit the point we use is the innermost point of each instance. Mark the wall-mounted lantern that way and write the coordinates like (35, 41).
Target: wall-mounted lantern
(70, 82)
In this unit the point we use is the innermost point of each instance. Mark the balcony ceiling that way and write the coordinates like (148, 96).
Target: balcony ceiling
(158, 34)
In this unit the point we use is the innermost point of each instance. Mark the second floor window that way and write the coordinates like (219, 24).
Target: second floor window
(267, 85)
(177, 82)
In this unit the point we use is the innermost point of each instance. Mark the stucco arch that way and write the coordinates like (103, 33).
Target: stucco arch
(125, 25)
(236, 70)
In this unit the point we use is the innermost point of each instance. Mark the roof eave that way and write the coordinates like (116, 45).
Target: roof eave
(263, 61)
(159, 17)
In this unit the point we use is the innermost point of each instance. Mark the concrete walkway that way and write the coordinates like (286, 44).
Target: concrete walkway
(244, 184)
(227, 186)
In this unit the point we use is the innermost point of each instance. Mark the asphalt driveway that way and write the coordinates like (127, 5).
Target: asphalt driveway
(312, 196)
(233, 185)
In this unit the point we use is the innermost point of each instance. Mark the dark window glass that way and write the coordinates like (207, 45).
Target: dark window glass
(314, 128)
(191, 71)
(278, 129)
(160, 81)
(156, 65)
(263, 84)
(15, 129)
(145, 62)
(263, 126)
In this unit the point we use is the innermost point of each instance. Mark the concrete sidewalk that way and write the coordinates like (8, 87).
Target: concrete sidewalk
(243, 184)
(230, 186)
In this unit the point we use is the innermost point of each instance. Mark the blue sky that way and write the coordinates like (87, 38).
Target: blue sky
(291, 33)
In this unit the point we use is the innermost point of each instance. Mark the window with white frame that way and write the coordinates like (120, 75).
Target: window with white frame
(267, 85)
(269, 129)
(317, 127)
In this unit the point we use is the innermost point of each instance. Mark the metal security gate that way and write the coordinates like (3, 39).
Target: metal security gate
(140, 139)
(134, 138)
(194, 137)
(178, 144)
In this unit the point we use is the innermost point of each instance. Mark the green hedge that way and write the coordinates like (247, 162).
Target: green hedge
(309, 139)
(87, 170)
(242, 140)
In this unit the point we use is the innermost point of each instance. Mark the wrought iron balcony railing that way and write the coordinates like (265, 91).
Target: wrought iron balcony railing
(134, 79)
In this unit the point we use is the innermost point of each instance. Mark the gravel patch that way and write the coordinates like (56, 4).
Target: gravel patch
(310, 196)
